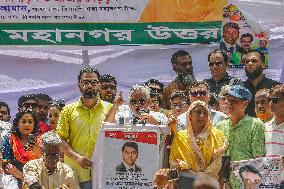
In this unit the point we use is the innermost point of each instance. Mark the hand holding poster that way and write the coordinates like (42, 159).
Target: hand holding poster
(258, 173)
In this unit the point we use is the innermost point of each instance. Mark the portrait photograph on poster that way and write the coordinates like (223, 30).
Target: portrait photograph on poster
(126, 162)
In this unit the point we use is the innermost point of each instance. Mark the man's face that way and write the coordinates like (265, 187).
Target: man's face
(183, 65)
(178, 106)
(231, 35)
(154, 104)
(251, 180)
(51, 155)
(42, 109)
(89, 85)
(108, 91)
(253, 65)
(217, 65)
(277, 105)
(31, 105)
(234, 106)
(262, 107)
(200, 92)
(246, 43)
(129, 156)
(262, 43)
(4, 115)
(137, 102)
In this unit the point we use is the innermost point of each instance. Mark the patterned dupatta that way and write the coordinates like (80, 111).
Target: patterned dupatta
(192, 140)
(20, 153)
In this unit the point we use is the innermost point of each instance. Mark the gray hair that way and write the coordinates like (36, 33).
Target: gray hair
(51, 138)
(143, 89)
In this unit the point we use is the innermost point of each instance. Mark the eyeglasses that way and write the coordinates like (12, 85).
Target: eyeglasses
(111, 87)
(217, 64)
(160, 91)
(27, 121)
(275, 100)
(87, 82)
(198, 93)
(179, 106)
(30, 105)
(140, 101)
(253, 60)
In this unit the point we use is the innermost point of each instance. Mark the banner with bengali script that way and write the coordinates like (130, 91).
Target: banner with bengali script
(127, 156)
(260, 173)
(110, 22)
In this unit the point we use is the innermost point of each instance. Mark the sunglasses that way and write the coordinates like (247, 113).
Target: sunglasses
(275, 100)
(91, 82)
(111, 87)
(198, 93)
(217, 64)
(140, 101)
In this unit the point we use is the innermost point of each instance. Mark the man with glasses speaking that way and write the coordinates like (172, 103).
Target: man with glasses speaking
(218, 62)
(137, 112)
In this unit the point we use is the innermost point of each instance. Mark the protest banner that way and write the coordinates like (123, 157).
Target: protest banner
(127, 156)
(258, 173)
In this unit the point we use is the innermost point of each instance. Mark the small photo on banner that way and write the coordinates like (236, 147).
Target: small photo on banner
(241, 34)
(130, 159)
(258, 173)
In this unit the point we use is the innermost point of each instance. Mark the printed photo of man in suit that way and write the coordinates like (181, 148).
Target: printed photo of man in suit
(129, 156)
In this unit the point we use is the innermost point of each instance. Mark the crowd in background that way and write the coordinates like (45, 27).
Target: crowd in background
(49, 144)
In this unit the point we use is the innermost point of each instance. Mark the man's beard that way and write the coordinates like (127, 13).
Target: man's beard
(254, 74)
(185, 79)
(89, 94)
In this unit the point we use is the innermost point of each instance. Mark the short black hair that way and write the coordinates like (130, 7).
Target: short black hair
(248, 168)
(180, 94)
(60, 103)
(26, 97)
(221, 51)
(154, 81)
(154, 93)
(130, 144)
(198, 83)
(178, 54)
(247, 35)
(42, 96)
(88, 69)
(261, 55)
(108, 78)
(231, 25)
(15, 125)
(4, 104)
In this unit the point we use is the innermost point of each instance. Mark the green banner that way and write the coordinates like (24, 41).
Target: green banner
(93, 34)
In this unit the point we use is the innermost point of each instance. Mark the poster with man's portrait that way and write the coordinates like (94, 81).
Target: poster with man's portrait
(130, 158)
(258, 173)
(240, 35)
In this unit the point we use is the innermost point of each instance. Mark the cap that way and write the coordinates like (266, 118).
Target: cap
(241, 92)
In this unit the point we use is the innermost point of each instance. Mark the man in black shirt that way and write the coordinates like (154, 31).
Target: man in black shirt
(254, 66)
(218, 62)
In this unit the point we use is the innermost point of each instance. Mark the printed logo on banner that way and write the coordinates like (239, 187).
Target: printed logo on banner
(130, 159)
(258, 173)
(239, 36)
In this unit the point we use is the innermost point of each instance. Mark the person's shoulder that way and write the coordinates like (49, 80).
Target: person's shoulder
(70, 107)
(222, 124)
(138, 168)
(34, 164)
(254, 122)
(105, 104)
(217, 132)
(182, 133)
(271, 82)
(120, 167)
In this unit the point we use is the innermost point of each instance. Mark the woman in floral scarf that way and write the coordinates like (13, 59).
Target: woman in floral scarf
(200, 147)
(17, 150)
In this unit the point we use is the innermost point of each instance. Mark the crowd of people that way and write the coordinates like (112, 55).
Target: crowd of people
(50, 145)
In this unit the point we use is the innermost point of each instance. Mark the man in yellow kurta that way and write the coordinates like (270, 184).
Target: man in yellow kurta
(79, 125)
(183, 11)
